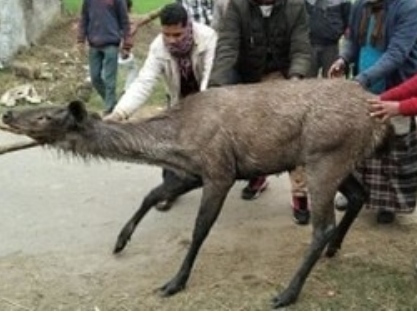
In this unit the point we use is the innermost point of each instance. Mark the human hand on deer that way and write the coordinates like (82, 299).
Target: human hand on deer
(114, 117)
(383, 109)
(337, 69)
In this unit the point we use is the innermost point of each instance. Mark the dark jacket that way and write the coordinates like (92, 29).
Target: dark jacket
(105, 23)
(250, 46)
(399, 60)
(328, 20)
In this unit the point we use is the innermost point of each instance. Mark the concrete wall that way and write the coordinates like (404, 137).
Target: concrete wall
(23, 21)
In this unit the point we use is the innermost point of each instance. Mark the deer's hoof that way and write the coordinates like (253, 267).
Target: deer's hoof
(331, 251)
(164, 206)
(120, 245)
(171, 288)
(123, 239)
(283, 299)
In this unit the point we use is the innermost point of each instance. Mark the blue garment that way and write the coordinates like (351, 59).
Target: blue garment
(104, 23)
(399, 61)
(368, 56)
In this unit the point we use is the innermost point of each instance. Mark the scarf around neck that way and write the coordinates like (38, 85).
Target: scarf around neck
(375, 8)
(181, 50)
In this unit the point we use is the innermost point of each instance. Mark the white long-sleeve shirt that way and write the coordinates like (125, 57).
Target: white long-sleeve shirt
(160, 63)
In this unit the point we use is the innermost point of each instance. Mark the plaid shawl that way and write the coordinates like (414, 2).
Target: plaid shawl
(392, 178)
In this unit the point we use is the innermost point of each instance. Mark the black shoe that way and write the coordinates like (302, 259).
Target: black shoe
(254, 188)
(300, 211)
(164, 205)
(385, 217)
(301, 217)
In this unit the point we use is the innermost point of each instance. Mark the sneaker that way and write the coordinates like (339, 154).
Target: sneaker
(385, 217)
(254, 188)
(340, 202)
(300, 211)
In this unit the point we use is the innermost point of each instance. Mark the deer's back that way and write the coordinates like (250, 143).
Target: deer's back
(280, 120)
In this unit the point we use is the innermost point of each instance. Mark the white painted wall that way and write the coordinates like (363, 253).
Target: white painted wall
(23, 21)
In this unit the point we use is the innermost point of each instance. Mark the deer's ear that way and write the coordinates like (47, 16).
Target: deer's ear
(77, 110)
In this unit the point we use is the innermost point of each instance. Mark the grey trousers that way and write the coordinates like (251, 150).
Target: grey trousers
(322, 58)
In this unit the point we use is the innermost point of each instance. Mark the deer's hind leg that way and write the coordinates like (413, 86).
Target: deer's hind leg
(323, 176)
(173, 187)
(356, 195)
(169, 189)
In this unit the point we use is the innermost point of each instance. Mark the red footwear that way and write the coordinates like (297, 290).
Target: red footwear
(300, 211)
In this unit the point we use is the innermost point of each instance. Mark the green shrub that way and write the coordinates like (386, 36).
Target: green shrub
(139, 6)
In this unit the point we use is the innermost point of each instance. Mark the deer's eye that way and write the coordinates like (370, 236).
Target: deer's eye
(44, 118)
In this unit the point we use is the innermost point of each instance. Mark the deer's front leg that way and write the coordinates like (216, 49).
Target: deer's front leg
(169, 189)
(210, 207)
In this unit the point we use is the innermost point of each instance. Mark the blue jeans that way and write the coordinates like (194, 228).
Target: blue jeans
(103, 73)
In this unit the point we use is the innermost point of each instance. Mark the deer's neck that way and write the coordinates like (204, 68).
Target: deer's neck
(148, 141)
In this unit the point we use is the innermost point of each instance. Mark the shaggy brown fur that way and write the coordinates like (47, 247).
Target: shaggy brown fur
(224, 134)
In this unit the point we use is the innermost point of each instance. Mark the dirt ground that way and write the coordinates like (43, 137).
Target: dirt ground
(61, 217)
(60, 71)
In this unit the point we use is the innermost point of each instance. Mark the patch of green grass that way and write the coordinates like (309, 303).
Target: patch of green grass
(143, 6)
(358, 285)
(72, 6)
(139, 6)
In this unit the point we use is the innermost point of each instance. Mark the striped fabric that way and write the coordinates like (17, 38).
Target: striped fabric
(201, 11)
(392, 178)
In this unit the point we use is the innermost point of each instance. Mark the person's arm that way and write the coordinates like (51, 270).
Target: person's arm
(350, 46)
(387, 109)
(300, 49)
(400, 100)
(403, 39)
(83, 24)
(403, 91)
(208, 59)
(124, 24)
(141, 88)
(228, 44)
(408, 107)
(346, 9)
(134, 27)
(217, 15)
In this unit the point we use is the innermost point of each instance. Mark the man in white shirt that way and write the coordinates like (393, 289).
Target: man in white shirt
(182, 54)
